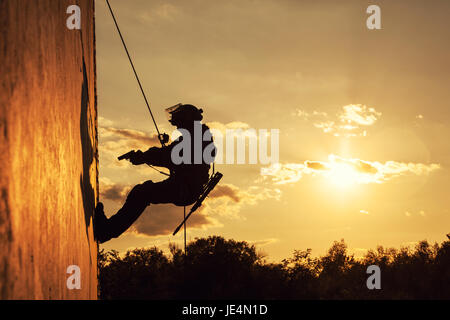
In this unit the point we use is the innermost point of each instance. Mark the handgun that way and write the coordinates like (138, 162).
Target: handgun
(127, 155)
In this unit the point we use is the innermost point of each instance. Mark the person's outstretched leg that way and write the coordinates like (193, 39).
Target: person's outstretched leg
(137, 200)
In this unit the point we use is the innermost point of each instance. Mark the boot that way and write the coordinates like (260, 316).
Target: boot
(100, 224)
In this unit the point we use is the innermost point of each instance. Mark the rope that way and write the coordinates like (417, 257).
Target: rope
(185, 253)
(162, 172)
(135, 73)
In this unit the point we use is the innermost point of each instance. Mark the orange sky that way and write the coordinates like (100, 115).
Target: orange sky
(363, 117)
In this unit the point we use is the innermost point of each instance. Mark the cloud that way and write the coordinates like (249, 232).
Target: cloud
(354, 170)
(316, 165)
(301, 114)
(111, 191)
(235, 129)
(132, 135)
(347, 122)
(394, 169)
(364, 211)
(115, 192)
(284, 173)
(164, 12)
(103, 122)
(227, 126)
(229, 201)
(357, 164)
(359, 115)
(226, 190)
(421, 213)
(162, 219)
(116, 141)
(326, 126)
(307, 115)
(264, 242)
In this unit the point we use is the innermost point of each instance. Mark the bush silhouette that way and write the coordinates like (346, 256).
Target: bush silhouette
(216, 268)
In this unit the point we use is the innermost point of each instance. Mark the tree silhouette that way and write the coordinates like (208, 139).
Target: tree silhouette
(216, 268)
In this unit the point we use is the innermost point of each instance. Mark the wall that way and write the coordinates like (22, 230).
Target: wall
(48, 150)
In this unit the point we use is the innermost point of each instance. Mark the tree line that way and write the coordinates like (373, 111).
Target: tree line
(217, 268)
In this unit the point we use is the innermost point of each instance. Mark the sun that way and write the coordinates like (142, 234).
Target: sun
(342, 175)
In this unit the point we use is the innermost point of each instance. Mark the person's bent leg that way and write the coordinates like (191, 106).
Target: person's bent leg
(137, 200)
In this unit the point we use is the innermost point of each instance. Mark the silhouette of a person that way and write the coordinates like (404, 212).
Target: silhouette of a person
(183, 187)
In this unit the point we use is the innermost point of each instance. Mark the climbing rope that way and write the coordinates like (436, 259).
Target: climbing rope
(184, 218)
(139, 83)
(135, 73)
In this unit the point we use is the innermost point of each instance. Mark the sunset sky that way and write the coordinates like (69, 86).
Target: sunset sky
(364, 117)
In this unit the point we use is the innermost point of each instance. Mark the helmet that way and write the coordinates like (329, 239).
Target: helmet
(181, 114)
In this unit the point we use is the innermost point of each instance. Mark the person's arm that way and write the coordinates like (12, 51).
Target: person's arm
(158, 156)
(155, 156)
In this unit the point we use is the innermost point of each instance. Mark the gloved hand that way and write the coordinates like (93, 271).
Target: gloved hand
(137, 158)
